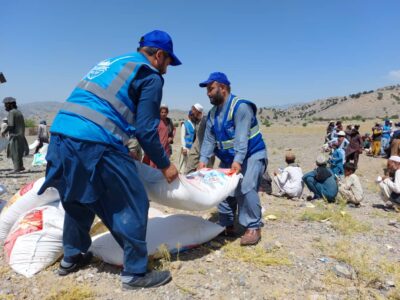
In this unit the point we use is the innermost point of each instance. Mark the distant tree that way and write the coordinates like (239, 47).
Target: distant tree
(30, 123)
(380, 96)
(266, 123)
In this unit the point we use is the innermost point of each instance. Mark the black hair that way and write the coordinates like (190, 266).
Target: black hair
(350, 166)
(12, 105)
(164, 107)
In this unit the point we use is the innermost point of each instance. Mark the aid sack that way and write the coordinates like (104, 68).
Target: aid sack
(200, 190)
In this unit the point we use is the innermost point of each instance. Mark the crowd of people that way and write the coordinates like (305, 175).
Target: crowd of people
(115, 115)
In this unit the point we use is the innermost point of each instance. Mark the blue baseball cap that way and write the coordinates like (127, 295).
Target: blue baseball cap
(161, 40)
(216, 76)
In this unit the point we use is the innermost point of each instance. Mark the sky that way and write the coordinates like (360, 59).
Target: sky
(273, 52)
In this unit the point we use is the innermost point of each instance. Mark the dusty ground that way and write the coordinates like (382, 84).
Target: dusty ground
(319, 252)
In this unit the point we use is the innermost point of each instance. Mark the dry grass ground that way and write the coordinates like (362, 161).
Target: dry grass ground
(294, 260)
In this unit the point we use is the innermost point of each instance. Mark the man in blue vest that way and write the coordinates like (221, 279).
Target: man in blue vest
(88, 160)
(189, 158)
(232, 133)
(386, 132)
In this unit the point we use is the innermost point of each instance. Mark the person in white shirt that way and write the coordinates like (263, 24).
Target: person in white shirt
(390, 183)
(4, 126)
(350, 187)
(289, 181)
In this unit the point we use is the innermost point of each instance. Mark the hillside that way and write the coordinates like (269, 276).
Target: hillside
(380, 103)
(363, 105)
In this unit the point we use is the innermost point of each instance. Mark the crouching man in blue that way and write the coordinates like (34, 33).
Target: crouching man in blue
(232, 133)
(88, 162)
(321, 181)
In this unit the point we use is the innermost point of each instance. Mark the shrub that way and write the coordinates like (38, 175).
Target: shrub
(30, 123)
(304, 124)
(266, 123)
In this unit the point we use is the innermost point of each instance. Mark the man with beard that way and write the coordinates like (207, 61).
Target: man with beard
(232, 133)
(18, 146)
(390, 183)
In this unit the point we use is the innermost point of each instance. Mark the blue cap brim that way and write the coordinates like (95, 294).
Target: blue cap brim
(205, 83)
(175, 61)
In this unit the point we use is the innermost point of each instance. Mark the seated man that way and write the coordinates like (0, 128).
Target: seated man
(337, 159)
(390, 184)
(350, 187)
(289, 181)
(321, 181)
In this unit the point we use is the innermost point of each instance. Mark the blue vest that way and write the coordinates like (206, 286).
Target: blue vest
(99, 106)
(386, 134)
(225, 132)
(189, 134)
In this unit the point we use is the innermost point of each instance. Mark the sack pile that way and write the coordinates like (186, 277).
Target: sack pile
(31, 225)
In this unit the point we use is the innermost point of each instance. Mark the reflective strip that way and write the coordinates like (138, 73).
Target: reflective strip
(231, 109)
(230, 143)
(212, 112)
(121, 78)
(227, 144)
(97, 118)
(254, 131)
(118, 105)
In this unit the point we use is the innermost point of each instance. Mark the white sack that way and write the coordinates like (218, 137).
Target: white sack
(35, 241)
(3, 143)
(23, 201)
(39, 159)
(176, 232)
(44, 148)
(34, 145)
(196, 191)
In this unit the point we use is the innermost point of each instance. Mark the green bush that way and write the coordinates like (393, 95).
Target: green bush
(267, 123)
(304, 124)
(30, 123)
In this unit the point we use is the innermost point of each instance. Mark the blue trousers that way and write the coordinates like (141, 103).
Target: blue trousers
(246, 197)
(95, 179)
(327, 189)
(384, 145)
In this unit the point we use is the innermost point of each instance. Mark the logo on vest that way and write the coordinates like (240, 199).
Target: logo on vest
(103, 66)
(99, 69)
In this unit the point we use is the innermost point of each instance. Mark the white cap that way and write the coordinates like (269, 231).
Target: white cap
(341, 133)
(395, 158)
(163, 105)
(321, 159)
(198, 107)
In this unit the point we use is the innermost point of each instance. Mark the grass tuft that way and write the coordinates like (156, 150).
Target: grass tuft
(71, 292)
(161, 260)
(370, 269)
(340, 219)
(256, 255)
